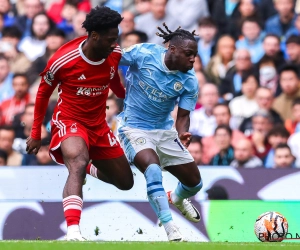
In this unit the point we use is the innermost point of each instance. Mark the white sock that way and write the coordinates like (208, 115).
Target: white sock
(168, 226)
(176, 199)
(73, 229)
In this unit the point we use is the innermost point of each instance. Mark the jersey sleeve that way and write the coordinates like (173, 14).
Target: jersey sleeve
(130, 55)
(189, 97)
(117, 87)
(49, 81)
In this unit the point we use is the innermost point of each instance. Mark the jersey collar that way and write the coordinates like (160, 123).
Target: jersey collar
(165, 66)
(85, 58)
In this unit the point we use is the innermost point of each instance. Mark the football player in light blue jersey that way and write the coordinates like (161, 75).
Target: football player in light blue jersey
(156, 79)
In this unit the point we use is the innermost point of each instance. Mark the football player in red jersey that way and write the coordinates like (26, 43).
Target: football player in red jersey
(83, 70)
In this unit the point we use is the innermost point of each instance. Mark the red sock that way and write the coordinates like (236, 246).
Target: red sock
(72, 209)
(91, 170)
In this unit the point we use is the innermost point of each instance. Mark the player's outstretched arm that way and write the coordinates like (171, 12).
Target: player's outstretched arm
(46, 88)
(117, 87)
(183, 125)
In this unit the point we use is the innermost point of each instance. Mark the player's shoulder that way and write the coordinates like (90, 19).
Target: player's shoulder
(145, 48)
(69, 51)
(117, 52)
(190, 80)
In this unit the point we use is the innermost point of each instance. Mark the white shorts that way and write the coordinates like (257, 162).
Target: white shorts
(164, 142)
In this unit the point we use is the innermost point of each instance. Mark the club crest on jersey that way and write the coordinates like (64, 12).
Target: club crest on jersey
(178, 86)
(141, 141)
(49, 77)
(73, 128)
(112, 72)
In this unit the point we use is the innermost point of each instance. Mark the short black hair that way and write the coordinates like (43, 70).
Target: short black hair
(12, 31)
(248, 73)
(207, 22)
(272, 35)
(196, 139)
(296, 101)
(21, 75)
(293, 39)
(225, 105)
(56, 32)
(283, 145)
(226, 127)
(7, 128)
(289, 67)
(179, 34)
(278, 130)
(3, 155)
(142, 35)
(252, 19)
(101, 19)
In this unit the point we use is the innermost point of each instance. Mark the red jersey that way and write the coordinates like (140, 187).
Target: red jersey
(83, 87)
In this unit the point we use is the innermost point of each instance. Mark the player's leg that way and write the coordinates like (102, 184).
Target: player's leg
(148, 163)
(76, 157)
(189, 184)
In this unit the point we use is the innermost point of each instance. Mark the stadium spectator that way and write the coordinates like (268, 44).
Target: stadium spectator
(24, 22)
(195, 148)
(111, 113)
(127, 25)
(262, 123)
(207, 30)
(244, 156)
(142, 6)
(282, 22)
(3, 158)
(6, 89)
(222, 60)
(283, 157)
(277, 135)
(268, 76)
(148, 22)
(231, 85)
(54, 40)
(293, 50)
(266, 9)
(22, 125)
(244, 106)
(10, 107)
(34, 46)
(293, 125)
(1, 23)
(289, 82)
(252, 39)
(187, 12)
(18, 62)
(217, 192)
(7, 135)
(6, 11)
(203, 123)
(222, 115)
(134, 37)
(264, 99)
(296, 29)
(42, 158)
(68, 12)
(78, 30)
(222, 137)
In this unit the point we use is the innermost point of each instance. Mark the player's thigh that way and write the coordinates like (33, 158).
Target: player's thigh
(75, 153)
(117, 171)
(139, 147)
(188, 174)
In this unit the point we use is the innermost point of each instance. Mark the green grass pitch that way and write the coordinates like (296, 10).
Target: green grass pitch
(62, 245)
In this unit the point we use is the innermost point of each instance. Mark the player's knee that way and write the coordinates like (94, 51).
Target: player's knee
(78, 166)
(126, 185)
(153, 173)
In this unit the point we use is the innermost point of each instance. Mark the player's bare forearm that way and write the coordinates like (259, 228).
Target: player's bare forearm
(182, 126)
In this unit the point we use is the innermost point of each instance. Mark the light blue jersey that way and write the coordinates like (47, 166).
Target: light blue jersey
(152, 89)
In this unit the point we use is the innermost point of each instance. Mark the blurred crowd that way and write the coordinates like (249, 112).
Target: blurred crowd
(248, 71)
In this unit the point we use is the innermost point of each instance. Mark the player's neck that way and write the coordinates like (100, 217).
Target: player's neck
(89, 52)
(169, 62)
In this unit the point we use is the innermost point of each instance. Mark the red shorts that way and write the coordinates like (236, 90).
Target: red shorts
(101, 144)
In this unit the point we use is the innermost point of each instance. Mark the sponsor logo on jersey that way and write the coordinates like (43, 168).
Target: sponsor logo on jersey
(178, 86)
(112, 72)
(49, 77)
(152, 93)
(73, 128)
(140, 141)
(91, 91)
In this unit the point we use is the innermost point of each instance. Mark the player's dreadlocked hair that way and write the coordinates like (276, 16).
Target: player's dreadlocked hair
(101, 19)
(178, 34)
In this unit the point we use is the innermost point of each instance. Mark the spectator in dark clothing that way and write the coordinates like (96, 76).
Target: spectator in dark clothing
(3, 158)
(293, 50)
(225, 156)
(266, 9)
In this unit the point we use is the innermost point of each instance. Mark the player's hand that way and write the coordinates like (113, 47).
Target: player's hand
(185, 138)
(33, 146)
